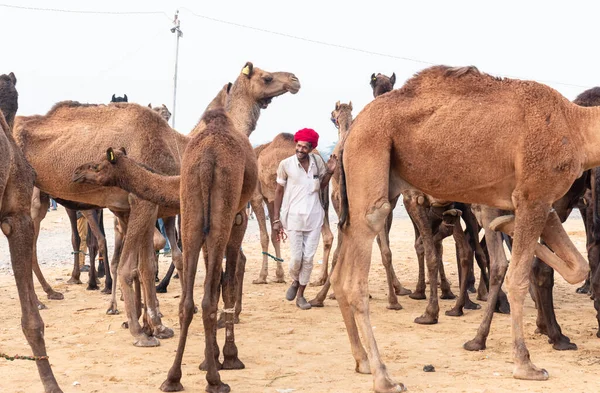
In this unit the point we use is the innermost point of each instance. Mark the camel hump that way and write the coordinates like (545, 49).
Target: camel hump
(284, 136)
(215, 115)
(590, 97)
(67, 104)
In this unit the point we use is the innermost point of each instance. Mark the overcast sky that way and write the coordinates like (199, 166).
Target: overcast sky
(88, 57)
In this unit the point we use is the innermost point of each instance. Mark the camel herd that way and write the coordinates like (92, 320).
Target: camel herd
(535, 153)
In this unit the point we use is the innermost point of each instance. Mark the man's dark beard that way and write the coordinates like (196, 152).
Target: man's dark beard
(302, 154)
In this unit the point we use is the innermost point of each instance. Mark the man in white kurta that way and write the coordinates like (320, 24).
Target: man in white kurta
(298, 208)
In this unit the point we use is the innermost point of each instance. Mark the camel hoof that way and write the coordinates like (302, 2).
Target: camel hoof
(112, 311)
(502, 307)
(448, 295)
(363, 367)
(402, 291)
(146, 341)
(471, 289)
(331, 296)
(426, 320)
(469, 305)
(125, 325)
(474, 345)
(319, 282)
(394, 306)
(220, 388)
(55, 296)
(316, 303)
(171, 386)
(74, 281)
(482, 297)
(530, 373)
(204, 367)
(564, 344)
(260, 280)
(389, 387)
(455, 312)
(417, 296)
(107, 291)
(92, 287)
(161, 289)
(161, 331)
(279, 280)
(584, 290)
(233, 364)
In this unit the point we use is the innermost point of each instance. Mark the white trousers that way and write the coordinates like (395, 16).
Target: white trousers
(303, 247)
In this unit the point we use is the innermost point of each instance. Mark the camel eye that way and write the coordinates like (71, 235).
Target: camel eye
(268, 79)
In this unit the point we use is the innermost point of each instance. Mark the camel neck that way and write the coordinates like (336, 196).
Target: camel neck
(344, 122)
(243, 113)
(588, 119)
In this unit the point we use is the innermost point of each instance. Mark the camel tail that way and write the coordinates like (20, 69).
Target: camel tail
(344, 219)
(207, 168)
(595, 180)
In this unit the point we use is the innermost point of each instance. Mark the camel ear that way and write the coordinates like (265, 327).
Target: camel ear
(110, 156)
(13, 78)
(125, 96)
(123, 150)
(150, 105)
(248, 69)
(337, 105)
(164, 106)
(373, 79)
(113, 98)
(229, 87)
(350, 105)
(393, 79)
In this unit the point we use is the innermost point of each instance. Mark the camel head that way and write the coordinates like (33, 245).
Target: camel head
(119, 99)
(381, 84)
(260, 86)
(162, 110)
(103, 172)
(342, 114)
(9, 97)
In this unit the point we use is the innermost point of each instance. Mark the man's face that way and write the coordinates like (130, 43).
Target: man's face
(302, 149)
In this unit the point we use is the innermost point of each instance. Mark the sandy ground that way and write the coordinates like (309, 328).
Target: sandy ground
(287, 350)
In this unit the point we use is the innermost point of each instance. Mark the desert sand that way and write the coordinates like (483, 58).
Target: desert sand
(285, 349)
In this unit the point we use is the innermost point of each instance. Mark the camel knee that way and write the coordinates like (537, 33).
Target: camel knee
(377, 214)
(209, 310)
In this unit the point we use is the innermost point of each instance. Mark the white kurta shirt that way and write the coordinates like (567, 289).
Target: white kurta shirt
(301, 208)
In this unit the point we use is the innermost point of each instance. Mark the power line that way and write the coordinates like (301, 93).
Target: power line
(18, 7)
(364, 51)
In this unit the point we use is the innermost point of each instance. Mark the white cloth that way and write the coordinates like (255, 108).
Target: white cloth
(301, 208)
(303, 247)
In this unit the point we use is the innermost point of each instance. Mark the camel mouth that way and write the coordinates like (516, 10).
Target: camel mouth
(264, 103)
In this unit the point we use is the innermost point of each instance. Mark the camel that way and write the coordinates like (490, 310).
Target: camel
(268, 157)
(381, 84)
(530, 144)
(119, 99)
(162, 110)
(16, 188)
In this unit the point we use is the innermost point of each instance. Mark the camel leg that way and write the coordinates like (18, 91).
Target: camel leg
(543, 278)
(120, 225)
(327, 236)
(349, 279)
(386, 259)
(192, 240)
(531, 217)
(419, 293)
(465, 257)
(418, 213)
(75, 242)
(595, 284)
(231, 279)
(259, 213)
(94, 244)
(279, 275)
(40, 212)
(18, 227)
(498, 267)
(96, 226)
(176, 255)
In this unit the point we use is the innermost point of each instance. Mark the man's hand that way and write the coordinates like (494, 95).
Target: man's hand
(332, 163)
(277, 226)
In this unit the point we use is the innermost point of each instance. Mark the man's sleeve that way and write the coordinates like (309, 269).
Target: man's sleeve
(281, 174)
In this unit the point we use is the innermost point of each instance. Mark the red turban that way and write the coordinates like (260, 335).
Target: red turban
(307, 135)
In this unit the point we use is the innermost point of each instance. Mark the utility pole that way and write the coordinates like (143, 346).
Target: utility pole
(176, 29)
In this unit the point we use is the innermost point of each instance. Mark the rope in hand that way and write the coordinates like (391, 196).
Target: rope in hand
(20, 357)
(273, 256)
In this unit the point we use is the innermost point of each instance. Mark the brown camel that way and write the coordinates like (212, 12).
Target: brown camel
(530, 144)
(16, 189)
(162, 110)
(269, 156)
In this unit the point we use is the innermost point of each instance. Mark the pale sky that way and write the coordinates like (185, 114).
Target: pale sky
(87, 57)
